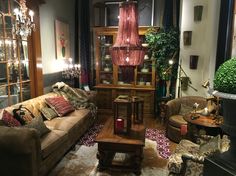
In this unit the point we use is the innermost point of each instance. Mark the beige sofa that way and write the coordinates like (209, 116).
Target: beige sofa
(24, 153)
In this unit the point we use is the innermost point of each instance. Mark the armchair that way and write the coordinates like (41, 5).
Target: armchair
(175, 113)
(188, 158)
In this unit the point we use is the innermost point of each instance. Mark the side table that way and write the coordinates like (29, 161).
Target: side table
(203, 123)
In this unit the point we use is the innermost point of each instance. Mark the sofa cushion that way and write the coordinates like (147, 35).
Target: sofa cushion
(60, 105)
(38, 124)
(51, 141)
(177, 121)
(48, 113)
(9, 120)
(67, 122)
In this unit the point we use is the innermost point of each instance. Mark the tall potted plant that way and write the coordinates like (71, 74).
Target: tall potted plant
(163, 45)
(225, 88)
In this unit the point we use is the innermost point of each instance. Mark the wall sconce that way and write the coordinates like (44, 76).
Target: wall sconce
(206, 84)
(71, 70)
(198, 12)
(187, 37)
(193, 62)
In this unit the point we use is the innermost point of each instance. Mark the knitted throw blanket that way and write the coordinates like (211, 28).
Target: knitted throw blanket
(77, 97)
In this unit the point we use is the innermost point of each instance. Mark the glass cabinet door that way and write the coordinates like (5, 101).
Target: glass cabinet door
(106, 66)
(14, 61)
(144, 72)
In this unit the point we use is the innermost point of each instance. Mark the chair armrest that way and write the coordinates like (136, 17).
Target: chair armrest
(20, 151)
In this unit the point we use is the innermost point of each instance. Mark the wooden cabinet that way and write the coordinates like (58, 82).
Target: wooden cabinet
(112, 80)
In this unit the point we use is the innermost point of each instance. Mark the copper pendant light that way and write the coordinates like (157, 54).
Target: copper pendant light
(127, 50)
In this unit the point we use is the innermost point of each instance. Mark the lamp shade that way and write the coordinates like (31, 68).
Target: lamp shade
(127, 50)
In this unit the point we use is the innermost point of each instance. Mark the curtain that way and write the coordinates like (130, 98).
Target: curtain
(84, 42)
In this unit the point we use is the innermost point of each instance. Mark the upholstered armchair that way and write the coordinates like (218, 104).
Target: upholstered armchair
(188, 158)
(175, 111)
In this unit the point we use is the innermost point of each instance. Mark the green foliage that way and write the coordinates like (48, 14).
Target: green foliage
(225, 77)
(162, 45)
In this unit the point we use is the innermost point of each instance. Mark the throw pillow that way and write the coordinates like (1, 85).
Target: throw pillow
(60, 105)
(185, 109)
(48, 113)
(9, 120)
(38, 124)
(23, 115)
(210, 147)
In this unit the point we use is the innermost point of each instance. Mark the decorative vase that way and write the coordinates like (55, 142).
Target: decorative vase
(193, 62)
(198, 12)
(187, 37)
(229, 125)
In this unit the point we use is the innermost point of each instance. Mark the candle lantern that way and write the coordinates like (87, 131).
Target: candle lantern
(122, 115)
(137, 109)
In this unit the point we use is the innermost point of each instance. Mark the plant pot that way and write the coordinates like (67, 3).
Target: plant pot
(198, 12)
(187, 37)
(229, 125)
(193, 62)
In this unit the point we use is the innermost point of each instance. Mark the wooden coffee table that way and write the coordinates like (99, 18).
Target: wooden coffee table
(131, 144)
(204, 123)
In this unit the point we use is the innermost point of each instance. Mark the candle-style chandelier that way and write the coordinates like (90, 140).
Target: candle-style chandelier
(71, 70)
(127, 50)
(24, 20)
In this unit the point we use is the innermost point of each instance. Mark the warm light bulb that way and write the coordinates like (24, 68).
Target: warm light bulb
(16, 11)
(171, 62)
(31, 14)
(118, 17)
(70, 60)
(127, 59)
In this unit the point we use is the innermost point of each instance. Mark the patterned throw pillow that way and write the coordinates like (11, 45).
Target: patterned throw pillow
(60, 105)
(9, 120)
(38, 124)
(23, 115)
(48, 113)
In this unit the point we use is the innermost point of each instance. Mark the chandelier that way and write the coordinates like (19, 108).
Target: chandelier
(127, 50)
(24, 20)
(71, 70)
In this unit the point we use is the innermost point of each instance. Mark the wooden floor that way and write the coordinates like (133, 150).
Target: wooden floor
(149, 122)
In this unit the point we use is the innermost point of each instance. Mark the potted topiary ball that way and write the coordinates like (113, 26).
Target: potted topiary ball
(225, 88)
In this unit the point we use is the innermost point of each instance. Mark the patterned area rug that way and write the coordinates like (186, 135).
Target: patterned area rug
(83, 162)
(158, 136)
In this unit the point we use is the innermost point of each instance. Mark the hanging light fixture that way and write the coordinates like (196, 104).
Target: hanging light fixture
(127, 50)
(24, 20)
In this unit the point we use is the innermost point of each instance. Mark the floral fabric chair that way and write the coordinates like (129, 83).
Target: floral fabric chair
(189, 157)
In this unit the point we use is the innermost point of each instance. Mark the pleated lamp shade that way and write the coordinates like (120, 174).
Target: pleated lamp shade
(127, 50)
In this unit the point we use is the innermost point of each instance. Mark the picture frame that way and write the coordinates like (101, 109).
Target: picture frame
(145, 12)
(62, 40)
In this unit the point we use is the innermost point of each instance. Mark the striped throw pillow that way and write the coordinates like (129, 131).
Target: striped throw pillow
(60, 105)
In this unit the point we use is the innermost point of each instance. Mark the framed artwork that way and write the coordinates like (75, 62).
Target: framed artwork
(62, 40)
